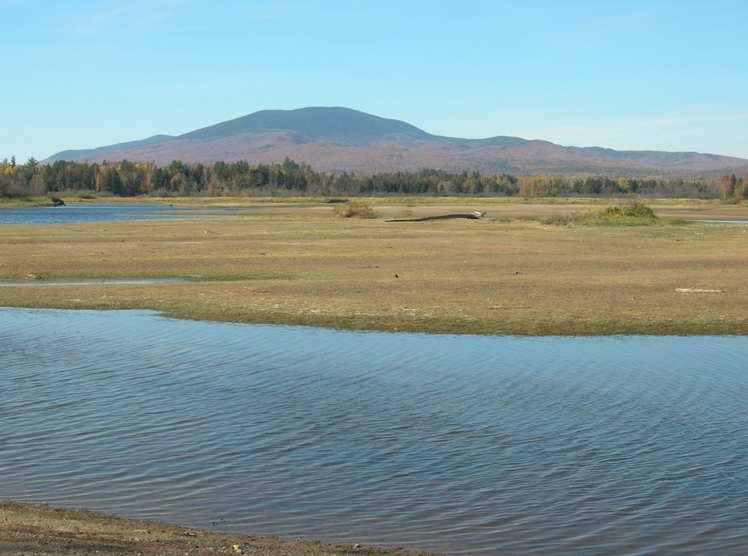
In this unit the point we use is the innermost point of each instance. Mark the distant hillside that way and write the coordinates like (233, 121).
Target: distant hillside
(341, 139)
(92, 153)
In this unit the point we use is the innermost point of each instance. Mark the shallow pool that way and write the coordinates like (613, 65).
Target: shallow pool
(75, 213)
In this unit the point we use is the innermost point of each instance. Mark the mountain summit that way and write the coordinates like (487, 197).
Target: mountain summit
(341, 139)
(339, 125)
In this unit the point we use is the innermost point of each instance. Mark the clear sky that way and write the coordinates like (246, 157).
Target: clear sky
(625, 74)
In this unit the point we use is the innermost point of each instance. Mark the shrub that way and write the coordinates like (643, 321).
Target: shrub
(612, 212)
(636, 214)
(640, 210)
(13, 192)
(354, 210)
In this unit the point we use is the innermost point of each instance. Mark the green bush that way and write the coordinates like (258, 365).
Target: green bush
(636, 214)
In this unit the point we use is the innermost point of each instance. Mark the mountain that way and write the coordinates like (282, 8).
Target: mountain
(341, 139)
(91, 153)
(339, 125)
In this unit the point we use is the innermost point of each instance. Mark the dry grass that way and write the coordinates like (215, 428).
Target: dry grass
(354, 210)
(506, 274)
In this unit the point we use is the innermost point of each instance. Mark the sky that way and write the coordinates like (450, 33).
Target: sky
(630, 75)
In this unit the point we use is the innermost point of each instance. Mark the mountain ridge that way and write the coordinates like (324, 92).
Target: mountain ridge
(341, 139)
(74, 154)
(349, 127)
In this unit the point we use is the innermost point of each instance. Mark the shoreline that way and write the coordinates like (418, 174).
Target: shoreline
(344, 326)
(41, 529)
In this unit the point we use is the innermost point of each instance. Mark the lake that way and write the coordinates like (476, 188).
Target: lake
(452, 444)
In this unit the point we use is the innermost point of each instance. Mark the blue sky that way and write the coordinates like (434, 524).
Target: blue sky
(664, 75)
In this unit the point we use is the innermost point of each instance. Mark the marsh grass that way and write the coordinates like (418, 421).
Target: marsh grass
(297, 265)
(635, 213)
(568, 219)
(23, 199)
(15, 193)
(732, 201)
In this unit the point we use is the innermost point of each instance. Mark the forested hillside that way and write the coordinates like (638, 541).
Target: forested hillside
(129, 179)
(338, 140)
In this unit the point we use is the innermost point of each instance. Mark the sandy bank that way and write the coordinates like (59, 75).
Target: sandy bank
(41, 530)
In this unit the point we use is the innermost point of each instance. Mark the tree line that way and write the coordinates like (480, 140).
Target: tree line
(128, 179)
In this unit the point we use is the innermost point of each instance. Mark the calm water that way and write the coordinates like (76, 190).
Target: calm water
(98, 213)
(25, 283)
(465, 444)
(741, 222)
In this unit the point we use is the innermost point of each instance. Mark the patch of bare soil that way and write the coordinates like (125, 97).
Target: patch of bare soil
(42, 530)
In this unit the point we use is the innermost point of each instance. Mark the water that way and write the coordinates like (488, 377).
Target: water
(23, 283)
(740, 222)
(460, 445)
(100, 213)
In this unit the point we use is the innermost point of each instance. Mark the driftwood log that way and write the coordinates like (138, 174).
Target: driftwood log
(470, 215)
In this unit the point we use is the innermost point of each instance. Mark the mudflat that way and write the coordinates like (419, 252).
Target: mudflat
(508, 273)
(42, 530)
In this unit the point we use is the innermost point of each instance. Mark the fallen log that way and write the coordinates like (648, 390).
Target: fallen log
(469, 215)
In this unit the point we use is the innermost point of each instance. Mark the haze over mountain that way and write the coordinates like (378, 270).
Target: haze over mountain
(341, 139)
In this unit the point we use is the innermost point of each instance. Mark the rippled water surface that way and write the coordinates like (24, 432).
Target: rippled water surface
(465, 444)
(100, 213)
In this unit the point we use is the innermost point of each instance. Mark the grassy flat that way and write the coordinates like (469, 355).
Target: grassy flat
(506, 274)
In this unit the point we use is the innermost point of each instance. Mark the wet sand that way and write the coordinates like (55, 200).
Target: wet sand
(42, 530)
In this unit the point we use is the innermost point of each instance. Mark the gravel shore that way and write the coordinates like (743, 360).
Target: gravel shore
(42, 530)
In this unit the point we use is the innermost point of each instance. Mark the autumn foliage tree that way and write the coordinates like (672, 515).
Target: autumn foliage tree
(727, 186)
(127, 179)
